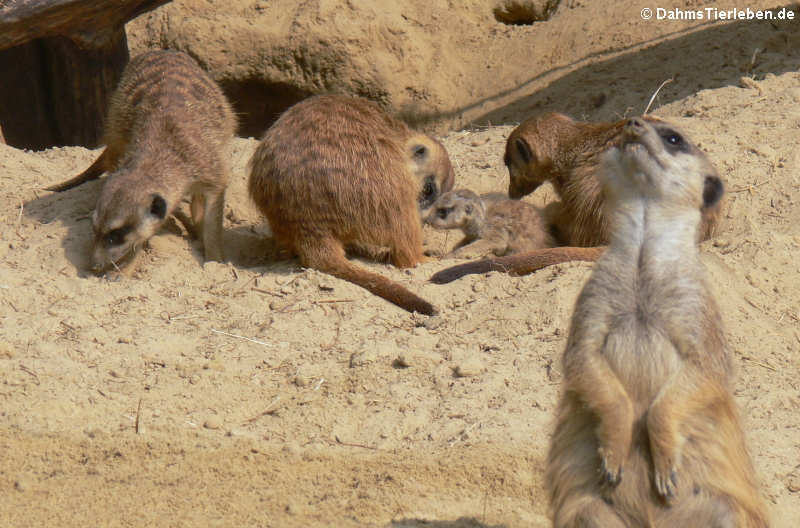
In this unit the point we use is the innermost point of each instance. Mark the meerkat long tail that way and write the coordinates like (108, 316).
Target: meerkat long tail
(92, 173)
(329, 256)
(520, 264)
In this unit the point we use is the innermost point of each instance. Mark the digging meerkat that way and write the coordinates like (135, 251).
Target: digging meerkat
(336, 172)
(490, 226)
(167, 135)
(555, 148)
(647, 431)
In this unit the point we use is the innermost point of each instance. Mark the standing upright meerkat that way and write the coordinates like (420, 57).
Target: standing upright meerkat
(647, 430)
(336, 172)
(491, 226)
(555, 148)
(167, 135)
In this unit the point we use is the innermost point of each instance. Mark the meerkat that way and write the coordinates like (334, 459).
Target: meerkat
(335, 173)
(555, 148)
(490, 226)
(647, 431)
(167, 135)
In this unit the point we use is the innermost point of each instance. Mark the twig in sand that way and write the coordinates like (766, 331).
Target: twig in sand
(25, 369)
(351, 444)
(327, 301)
(748, 188)
(138, 414)
(760, 364)
(242, 337)
(271, 408)
(653, 98)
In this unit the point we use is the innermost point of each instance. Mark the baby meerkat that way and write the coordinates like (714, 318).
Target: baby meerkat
(336, 172)
(647, 431)
(167, 134)
(555, 148)
(490, 226)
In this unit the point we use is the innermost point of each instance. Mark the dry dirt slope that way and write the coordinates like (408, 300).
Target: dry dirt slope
(344, 410)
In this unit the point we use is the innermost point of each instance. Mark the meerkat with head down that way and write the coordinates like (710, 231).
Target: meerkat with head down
(567, 153)
(335, 173)
(491, 226)
(647, 430)
(167, 133)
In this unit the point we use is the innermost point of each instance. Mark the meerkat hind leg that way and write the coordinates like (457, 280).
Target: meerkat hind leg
(210, 225)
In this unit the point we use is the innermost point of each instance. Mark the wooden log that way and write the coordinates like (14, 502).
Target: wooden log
(88, 22)
(59, 62)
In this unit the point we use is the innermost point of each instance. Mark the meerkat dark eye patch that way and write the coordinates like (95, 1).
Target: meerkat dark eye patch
(158, 207)
(420, 152)
(524, 150)
(429, 192)
(116, 237)
(673, 140)
(713, 189)
(444, 212)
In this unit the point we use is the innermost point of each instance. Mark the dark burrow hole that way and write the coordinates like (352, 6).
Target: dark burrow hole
(524, 12)
(258, 104)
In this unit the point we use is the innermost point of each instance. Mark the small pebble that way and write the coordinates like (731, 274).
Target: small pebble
(468, 367)
(213, 422)
(22, 484)
(359, 359)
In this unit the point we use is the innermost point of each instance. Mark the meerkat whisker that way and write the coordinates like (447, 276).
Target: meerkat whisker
(653, 97)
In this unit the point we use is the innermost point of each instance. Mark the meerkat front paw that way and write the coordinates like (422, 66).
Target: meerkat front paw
(610, 467)
(665, 477)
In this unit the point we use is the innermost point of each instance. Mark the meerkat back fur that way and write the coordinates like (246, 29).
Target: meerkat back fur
(336, 172)
(167, 135)
(647, 431)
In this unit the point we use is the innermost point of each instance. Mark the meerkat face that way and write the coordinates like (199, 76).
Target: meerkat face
(522, 164)
(659, 161)
(431, 166)
(454, 210)
(121, 225)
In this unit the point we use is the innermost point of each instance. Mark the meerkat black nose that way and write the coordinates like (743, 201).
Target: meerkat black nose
(635, 123)
(442, 213)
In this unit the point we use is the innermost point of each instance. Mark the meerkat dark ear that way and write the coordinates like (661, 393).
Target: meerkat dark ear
(713, 189)
(524, 150)
(158, 207)
(420, 152)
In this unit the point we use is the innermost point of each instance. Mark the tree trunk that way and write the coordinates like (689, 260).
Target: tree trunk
(59, 63)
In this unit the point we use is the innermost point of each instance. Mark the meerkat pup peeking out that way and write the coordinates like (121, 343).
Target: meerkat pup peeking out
(167, 135)
(647, 430)
(490, 226)
(336, 172)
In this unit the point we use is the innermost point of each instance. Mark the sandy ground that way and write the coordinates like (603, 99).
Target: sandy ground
(255, 393)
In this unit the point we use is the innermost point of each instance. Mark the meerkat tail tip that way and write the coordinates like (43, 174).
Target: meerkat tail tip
(94, 171)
